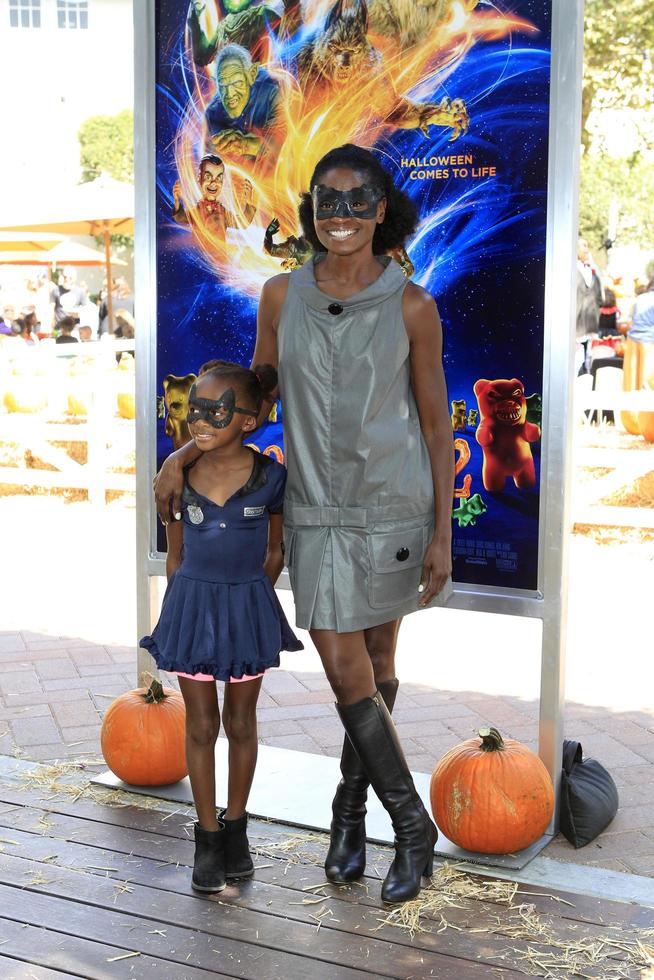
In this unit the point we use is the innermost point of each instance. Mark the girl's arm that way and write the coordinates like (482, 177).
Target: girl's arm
(275, 557)
(423, 326)
(174, 534)
(272, 299)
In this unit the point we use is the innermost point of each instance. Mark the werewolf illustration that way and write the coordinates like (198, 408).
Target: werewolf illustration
(409, 22)
(341, 56)
(253, 26)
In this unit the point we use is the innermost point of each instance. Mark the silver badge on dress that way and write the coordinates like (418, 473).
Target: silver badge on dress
(195, 514)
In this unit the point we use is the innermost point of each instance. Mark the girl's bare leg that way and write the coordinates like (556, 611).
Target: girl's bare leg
(202, 727)
(240, 725)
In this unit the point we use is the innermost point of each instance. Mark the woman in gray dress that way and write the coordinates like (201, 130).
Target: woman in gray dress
(370, 461)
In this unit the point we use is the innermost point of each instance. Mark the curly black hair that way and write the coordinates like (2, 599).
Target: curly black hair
(401, 218)
(254, 384)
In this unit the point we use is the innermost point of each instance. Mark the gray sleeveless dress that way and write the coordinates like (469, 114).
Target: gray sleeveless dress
(359, 505)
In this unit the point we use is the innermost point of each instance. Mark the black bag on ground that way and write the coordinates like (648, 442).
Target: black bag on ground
(589, 797)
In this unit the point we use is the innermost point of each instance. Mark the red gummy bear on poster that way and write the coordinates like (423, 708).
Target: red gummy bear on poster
(504, 434)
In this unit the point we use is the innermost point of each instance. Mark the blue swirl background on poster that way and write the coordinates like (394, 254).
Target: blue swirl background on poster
(480, 251)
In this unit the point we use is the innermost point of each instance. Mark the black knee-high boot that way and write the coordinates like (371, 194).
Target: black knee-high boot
(346, 857)
(372, 733)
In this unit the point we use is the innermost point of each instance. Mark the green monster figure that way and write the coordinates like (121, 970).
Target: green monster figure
(240, 22)
(469, 510)
(535, 409)
(294, 252)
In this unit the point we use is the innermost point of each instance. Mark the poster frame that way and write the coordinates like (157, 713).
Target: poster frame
(549, 602)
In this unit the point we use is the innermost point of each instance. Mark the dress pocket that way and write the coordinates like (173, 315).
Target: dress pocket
(289, 541)
(395, 564)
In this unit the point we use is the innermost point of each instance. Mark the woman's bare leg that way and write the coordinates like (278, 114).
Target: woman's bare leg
(347, 664)
(381, 642)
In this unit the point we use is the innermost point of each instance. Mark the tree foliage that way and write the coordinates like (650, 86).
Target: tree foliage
(107, 146)
(618, 57)
(630, 182)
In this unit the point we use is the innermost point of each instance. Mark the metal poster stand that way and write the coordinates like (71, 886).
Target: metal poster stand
(549, 603)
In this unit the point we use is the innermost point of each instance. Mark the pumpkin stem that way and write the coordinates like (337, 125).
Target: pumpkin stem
(491, 740)
(155, 693)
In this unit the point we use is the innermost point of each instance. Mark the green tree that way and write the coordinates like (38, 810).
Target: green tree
(107, 146)
(630, 182)
(618, 53)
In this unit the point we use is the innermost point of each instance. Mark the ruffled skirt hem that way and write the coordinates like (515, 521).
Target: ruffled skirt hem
(219, 629)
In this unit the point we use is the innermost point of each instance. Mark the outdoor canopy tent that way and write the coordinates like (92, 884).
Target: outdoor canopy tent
(102, 207)
(65, 253)
(28, 241)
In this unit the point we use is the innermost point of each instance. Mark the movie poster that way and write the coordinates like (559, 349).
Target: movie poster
(453, 95)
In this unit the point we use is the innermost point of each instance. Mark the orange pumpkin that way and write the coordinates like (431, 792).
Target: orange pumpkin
(493, 796)
(646, 419)
(143, 736)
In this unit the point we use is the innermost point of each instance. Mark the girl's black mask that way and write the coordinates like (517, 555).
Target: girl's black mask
(208, 408)
(360, 202)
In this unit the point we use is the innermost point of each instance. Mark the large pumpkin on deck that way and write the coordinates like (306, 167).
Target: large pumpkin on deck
(143, 736)
(491, 795)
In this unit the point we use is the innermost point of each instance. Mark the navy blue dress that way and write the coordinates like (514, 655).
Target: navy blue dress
(220, 614)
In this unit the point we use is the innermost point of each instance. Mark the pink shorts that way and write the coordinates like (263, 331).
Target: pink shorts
(208, 677)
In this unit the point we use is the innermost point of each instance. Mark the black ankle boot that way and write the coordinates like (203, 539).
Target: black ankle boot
(372, 733)
(209, 861)
(238, 860)
(346, 857)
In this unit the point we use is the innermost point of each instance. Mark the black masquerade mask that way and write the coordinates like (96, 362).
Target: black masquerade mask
(360, 202)
(217, 412)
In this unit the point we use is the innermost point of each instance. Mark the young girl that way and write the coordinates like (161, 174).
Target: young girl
(221, 619)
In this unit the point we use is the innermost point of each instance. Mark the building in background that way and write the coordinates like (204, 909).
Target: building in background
(62, 61)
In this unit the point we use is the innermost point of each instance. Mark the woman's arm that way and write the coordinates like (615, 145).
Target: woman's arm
(169, 482)
(272, 299)
(423, 326)
(174, 534)
(275, 557)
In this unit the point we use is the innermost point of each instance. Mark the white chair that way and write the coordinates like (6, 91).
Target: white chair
(583, 388)
(608, 383)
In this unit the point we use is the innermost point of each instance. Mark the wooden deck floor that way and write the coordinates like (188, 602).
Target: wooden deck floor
(92, 886)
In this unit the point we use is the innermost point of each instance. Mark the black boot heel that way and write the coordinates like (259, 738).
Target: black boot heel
(372, 733)
(346, 857)
(429, 867)
(238, 860)
(209, 860)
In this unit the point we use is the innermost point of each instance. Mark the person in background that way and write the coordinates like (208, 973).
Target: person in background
(85, 334)
(642, 318)
(9, 316)
(124, 329)
(71, 296)
(608, 315)
(589, 300)
(66, 327)
(42, 301)
(26, 332)
(5, 327)
(122, 298)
